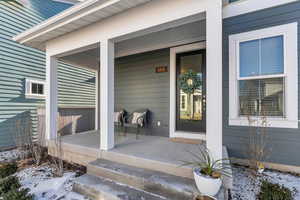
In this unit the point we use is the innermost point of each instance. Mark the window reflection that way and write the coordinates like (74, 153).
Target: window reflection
(262, 97)
(191, 104)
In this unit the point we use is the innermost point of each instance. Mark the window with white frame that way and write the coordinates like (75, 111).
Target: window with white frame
(263, 76)
(35, 89)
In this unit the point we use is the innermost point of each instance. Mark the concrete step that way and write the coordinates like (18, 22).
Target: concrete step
(175, 187)
(103, 189)
(148, 163)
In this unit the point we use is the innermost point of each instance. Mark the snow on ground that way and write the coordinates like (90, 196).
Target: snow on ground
(44, 186)
(6, 156)
(245, 187)
(41, 182)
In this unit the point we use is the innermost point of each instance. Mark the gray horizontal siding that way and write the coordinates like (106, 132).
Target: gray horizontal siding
(18, 62)
(137, 86)
(284, 143)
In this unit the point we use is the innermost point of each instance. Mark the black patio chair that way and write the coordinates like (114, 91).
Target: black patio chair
(137, 119)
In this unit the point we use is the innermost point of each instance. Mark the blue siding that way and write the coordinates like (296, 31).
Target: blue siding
(138, 86)
(284, 143)
(18, 62)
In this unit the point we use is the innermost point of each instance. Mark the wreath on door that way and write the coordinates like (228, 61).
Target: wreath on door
(189, 81)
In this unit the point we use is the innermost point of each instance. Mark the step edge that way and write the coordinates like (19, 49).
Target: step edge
(94, 189)
(185, 172)
(137, 181)
(90, 191)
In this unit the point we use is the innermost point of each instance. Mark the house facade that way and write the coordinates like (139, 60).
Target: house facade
(283, 138)
(202, 69)
(22, 71)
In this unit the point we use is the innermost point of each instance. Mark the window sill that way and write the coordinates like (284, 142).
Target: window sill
(32, 96)
(272, 123)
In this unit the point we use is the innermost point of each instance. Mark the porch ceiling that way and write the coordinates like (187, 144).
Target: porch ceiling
(79, 15)
(88, 57)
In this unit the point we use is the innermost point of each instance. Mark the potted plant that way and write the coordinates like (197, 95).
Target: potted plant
(207, 171)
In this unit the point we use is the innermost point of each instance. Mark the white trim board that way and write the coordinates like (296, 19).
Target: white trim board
(163, 45)
(172, 120)
(270, 165)
(247, 6)
(68, 1)
(290, 35)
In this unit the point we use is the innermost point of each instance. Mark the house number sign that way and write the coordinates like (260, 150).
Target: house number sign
(161, 69)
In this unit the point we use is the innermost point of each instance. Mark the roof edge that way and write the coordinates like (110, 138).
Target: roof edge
(56, 18)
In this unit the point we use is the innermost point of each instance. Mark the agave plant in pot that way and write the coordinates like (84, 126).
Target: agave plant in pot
(207, 171)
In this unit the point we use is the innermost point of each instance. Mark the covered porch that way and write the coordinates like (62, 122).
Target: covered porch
(161, 33)
(101, 35)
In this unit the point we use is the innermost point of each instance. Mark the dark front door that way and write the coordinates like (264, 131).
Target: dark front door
(190, 106)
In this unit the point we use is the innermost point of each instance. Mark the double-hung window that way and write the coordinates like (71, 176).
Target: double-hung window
(263, 76)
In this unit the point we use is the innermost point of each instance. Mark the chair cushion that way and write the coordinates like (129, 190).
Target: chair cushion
(138, 118)
(117, 116)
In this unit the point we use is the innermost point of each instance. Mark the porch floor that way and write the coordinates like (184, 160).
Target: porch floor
(148, 147)
(148, 152)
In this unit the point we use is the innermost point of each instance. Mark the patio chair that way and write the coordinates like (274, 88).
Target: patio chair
(137, 119)
(119, 118)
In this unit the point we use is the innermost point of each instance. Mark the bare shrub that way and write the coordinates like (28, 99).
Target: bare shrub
(22, 135)
(29, 144)
(57, 159)
(256, 110)
(257, 149)
(38, 150)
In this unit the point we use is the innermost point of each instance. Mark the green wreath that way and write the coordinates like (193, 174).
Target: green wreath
(189, 82)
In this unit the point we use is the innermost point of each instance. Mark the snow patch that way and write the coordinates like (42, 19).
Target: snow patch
(246, 187)
(8, 156)
(45, 186)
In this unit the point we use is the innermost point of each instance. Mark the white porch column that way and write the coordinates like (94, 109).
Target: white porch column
(97, 100)
(214, 100)
(107, 59)
(51, 97)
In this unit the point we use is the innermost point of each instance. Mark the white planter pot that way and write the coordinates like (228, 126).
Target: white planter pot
(207, 185)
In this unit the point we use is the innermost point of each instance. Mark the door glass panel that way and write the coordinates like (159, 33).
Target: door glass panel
(190, 109)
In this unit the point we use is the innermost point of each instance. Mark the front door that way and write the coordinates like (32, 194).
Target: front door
(191, 91)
